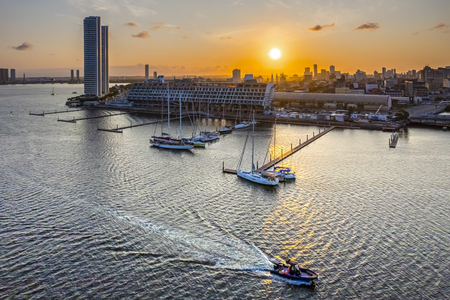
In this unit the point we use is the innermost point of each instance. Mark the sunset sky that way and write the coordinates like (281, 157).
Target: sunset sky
(213, 37)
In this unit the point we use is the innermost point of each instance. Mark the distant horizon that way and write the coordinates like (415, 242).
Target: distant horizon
(138, 70)
(210, 37)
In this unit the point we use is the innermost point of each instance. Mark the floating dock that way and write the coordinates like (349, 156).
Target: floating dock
(53, 112)
(88, 118)
(120, 129)
(287, 154)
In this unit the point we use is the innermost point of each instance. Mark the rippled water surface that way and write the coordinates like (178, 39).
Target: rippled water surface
(91, 214)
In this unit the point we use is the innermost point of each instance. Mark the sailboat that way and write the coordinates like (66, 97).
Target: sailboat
(261, 178)
(207, 136)
(168, 142)
(284, 172)
(53, 92)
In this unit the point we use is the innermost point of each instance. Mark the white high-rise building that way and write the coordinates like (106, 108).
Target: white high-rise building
(105, 60)
(92, 57)
(146, 73)
(236, 75)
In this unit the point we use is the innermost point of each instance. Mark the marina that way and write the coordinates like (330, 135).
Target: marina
(108, 214)
(52, 112)
(74, 120)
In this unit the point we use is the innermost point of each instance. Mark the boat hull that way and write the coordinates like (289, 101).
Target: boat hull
(171, 146)
(256, 178)
(305, 275)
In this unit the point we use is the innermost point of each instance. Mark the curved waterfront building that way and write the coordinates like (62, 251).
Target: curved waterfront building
(213, 96)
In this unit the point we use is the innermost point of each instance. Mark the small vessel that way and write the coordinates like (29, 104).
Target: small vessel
(53, 92)
(226, 130)
(74, 92)
(196, 143)
(294, 271)
(207, 136)
(262, 178)
(286, 172)
(244, 124)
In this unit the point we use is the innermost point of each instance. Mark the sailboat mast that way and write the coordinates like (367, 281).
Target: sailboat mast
(253, 142)
(275, 139)
(181, 130)
(168, 110)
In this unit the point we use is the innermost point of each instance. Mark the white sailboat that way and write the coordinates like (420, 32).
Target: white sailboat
(285, 172)
(168, 142)
(53, 92)
(261, 178)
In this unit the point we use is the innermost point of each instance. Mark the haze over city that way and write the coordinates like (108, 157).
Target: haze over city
(42, 38)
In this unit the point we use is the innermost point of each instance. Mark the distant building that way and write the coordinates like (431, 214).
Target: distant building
(237, 75)
(155, 75)
(315, 71)
(105, 60)
(3, 75)
(248, 77)
(161, 79)
(371, 86)
(13, 75)
(146, 73)
(383, 73)
(332, 69)
(323, 74)
(307, 71)
(92, 57)
(71, 76)
(78, 76)
(342, 90)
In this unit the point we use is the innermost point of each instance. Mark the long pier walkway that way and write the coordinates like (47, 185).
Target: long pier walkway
(120, 129)
(53, 112)
(88, 118)
(287, 154)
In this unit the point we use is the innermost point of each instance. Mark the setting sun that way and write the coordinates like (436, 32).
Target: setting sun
(275, 53)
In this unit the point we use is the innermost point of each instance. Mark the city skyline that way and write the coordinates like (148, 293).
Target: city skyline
(205, 38)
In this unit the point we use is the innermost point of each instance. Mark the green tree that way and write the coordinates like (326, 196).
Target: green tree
(402, 114)
(447, 108)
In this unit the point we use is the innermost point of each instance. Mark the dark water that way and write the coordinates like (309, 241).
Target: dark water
(90, 214)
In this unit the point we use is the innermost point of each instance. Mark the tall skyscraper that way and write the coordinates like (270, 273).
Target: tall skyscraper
(105, 60)
(331, 69)
(315, 71)
(13, 74)
(3, 75)
(92, 57)
(236, 75)
(383, 74)
(146, 72)
(78, 76)
(155, 75)
(71, 76)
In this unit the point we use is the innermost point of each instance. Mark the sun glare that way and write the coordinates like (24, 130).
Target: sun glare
(275, 53)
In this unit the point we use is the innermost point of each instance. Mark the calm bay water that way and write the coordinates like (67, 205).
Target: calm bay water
(90, 214)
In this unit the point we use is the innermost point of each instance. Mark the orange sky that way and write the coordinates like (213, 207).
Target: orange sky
(215, 37)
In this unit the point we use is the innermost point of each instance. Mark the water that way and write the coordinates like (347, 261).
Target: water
(90, 214)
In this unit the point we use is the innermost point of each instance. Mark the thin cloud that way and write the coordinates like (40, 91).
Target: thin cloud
(369, 26)
(185, 37)
(320, 27)
(52, 54)
(130, 24)
(440, 26)
(157, 25)
(142, 35)
(24, 46)
(416, 33)
(225, 37)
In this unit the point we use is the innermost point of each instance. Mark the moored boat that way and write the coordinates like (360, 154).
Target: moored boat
(226, 130)
(286, 172)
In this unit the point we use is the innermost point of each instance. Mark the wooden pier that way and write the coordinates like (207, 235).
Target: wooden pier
(287, 154)
(120, 129)
(393, 140)
(74, 120)
(53, 112)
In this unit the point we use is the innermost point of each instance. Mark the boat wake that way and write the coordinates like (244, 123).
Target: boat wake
(203, 245)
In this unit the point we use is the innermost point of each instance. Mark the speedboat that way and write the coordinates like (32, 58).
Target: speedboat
(293, 271)
(286, 172)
